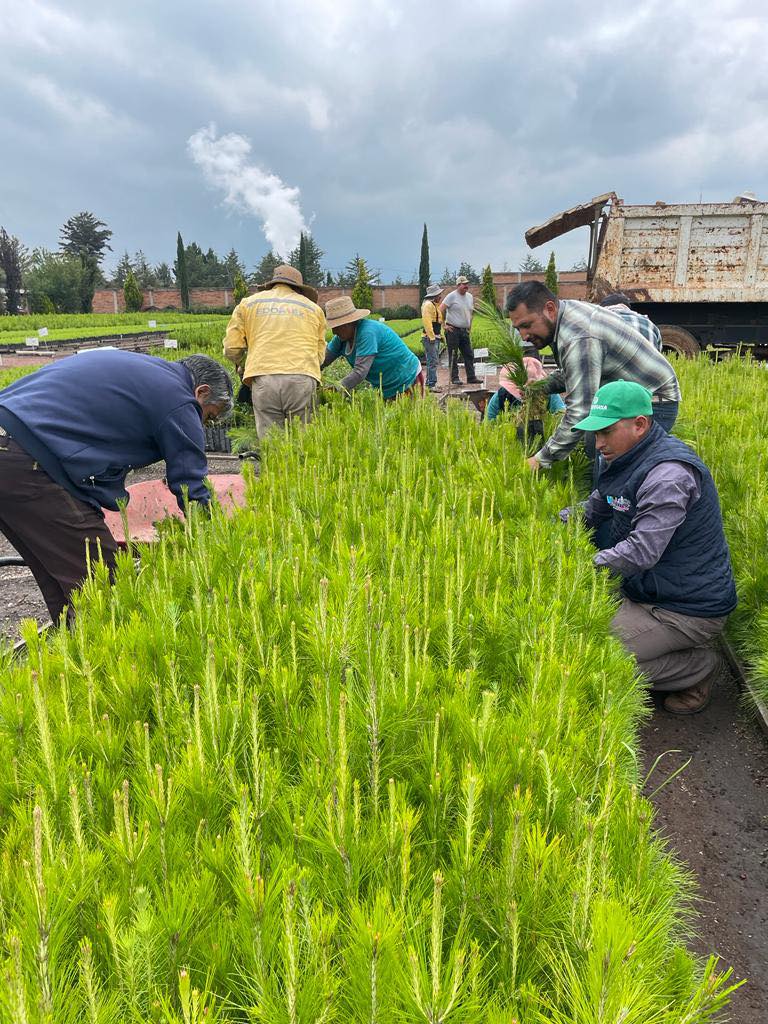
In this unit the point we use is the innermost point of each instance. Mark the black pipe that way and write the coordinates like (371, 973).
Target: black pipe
(11, 560)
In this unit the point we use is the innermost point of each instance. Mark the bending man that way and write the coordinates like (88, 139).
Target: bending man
(70, 433)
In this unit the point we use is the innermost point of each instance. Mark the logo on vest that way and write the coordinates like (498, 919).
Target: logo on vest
(620, 504)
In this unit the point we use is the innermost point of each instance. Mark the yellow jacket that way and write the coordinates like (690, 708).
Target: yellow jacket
(278, 330)
(430, 314)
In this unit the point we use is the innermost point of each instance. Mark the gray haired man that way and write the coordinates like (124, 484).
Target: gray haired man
(70, 433)
(458, 308)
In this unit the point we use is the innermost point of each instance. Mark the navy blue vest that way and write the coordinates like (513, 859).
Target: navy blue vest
(694, 575)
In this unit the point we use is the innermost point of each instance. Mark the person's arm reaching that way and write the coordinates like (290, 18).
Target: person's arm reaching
(663, 500)
(359, 372)
(235, 341)
(181, 440)
(332, 353)
(582, 369)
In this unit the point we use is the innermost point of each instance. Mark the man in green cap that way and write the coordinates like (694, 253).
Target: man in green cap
(664, 538)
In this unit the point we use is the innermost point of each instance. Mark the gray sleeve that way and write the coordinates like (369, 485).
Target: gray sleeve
(359, 372)
(663, 500)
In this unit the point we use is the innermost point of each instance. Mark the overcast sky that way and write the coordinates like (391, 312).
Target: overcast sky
(365, 119)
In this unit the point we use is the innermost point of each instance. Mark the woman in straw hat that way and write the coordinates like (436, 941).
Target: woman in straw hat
(372, 349)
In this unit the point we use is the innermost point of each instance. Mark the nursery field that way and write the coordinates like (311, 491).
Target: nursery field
(724, 415)
(361, 753)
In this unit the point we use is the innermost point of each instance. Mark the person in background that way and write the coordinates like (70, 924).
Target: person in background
(70, 433)
(665, 542)
(458, 308)
(276, 338)
(432, 318)
(372, 349)
(618, 302)
(592, 346)
(509, 393)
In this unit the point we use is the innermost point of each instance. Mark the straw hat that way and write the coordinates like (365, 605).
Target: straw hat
(433, 291)
(462, 280)
(289, 275)
(343, 311)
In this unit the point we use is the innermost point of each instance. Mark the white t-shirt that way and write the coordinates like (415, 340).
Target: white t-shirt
(458, 309)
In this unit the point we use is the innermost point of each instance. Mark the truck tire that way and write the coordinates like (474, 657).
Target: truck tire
(680, 341)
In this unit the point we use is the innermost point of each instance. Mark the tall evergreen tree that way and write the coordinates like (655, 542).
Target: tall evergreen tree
(240, 289)
(307, 259)
(123, 268)
(132, 294)
(86, 237)
(468, 271)
(265, 268)
(424, 266)
(550, 278)
(163, 276)
(234, 266)
(449, 276)
(328, 279)
(362, 292)
(143, 271)
(180, 270)
(487, 290)
(531, 265)
(12, 255)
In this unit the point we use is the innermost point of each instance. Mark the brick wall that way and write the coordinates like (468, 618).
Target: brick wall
(109, 300)
(572, 285)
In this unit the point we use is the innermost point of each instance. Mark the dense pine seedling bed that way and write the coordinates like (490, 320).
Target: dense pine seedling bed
(362, 753)
(724, 416)
(28, 324)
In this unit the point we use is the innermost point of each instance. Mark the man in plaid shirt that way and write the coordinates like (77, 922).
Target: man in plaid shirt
(617, 302)
(592, 346)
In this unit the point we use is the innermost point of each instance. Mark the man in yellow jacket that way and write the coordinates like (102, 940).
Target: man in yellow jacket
(277, 337)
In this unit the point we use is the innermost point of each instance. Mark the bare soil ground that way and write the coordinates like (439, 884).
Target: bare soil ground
(715, 816)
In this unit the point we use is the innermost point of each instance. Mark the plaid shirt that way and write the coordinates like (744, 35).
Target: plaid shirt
(594, 346)
(640, 322)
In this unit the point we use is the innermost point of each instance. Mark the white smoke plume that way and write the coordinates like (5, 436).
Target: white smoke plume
(224, 163)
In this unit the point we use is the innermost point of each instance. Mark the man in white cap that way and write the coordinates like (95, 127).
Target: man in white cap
(458, 308)
(372, 349)
(432, 318)
(276, 338)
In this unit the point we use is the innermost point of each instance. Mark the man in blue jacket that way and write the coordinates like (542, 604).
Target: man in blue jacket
(70, 433)
(665, 540)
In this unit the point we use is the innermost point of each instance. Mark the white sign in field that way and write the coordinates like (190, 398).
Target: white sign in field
(32, 342)
(170, 343)
(151, 323)
(481, 353)
(42, 332)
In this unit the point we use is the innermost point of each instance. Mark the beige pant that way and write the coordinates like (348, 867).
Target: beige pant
(279, 397)
(673, 651)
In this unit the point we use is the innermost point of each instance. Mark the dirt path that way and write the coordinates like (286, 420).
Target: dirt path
(715, 815)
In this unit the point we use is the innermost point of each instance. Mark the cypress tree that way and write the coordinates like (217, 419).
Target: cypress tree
(180, 268)
(362, 293)
(487, 290)
(133, 295)
(550, 278)
(424, 266)
(241, 288)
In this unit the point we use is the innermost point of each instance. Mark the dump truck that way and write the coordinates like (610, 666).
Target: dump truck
(698, 270)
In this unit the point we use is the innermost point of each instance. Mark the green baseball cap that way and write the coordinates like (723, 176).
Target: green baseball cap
(619, 400)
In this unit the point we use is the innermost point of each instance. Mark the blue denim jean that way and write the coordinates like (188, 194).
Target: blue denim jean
(430, 350)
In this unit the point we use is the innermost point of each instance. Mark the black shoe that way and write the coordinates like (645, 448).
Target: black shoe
(474, 380)
(455, 382)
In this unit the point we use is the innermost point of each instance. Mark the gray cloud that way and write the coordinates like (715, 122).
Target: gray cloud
(480, 121)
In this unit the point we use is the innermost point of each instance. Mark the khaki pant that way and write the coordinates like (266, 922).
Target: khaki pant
(673, 651)
(279, 397)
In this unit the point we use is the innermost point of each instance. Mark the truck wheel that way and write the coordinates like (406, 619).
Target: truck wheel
(677, 339)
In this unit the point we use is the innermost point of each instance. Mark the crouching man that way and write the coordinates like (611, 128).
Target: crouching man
(70, 433)
(666, 542)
